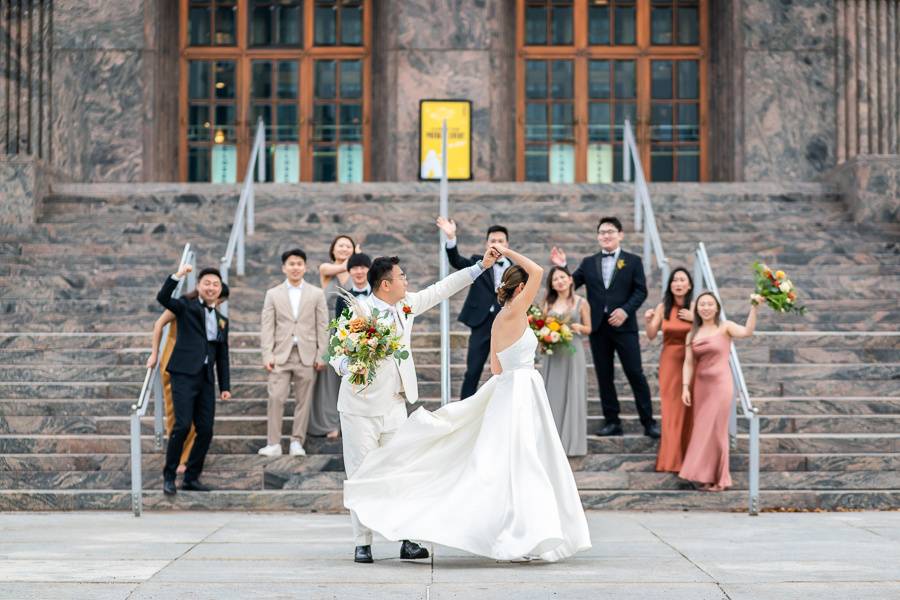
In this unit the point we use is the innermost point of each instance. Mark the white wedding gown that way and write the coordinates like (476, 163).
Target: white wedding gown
(487, 475)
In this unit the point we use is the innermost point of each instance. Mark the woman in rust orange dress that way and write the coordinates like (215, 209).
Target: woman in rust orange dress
(709, 388)
(673, 316)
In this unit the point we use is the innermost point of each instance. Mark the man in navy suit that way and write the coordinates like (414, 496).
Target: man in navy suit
(481, 307)
(616, 288)
(200, 353)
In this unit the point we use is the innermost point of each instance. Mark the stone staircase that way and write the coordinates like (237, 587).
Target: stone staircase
(78, 301)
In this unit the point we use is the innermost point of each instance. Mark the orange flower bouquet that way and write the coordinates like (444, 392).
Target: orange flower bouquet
(778, 291)
(553, 334)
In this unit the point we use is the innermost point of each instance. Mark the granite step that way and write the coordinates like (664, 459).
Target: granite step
(332, 501)
(804, 443)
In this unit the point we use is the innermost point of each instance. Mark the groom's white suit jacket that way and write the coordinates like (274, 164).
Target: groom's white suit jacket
(392, 377)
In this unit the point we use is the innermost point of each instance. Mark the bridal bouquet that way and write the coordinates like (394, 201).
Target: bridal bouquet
(552, 333)
(778, 291)
(365, 341)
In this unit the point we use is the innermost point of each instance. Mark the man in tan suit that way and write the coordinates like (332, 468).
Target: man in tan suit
(294, 338)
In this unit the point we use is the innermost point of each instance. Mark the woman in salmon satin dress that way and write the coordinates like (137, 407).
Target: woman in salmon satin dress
(673, 316)
(708, 387)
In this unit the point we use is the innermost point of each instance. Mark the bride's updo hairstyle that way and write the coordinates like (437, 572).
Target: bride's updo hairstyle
(512, 278)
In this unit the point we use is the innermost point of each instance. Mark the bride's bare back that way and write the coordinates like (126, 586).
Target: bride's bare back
(512, 319)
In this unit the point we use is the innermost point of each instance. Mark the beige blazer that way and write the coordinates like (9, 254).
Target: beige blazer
(279, 326)
(380, 397)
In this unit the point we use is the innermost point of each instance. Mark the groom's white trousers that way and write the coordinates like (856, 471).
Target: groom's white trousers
(360, 436)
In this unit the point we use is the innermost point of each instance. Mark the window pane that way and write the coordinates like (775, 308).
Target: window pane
(598, 25)
(688, 164)
(661, 26)
(351, 26)
(225, 79)
(261, 26)
(536, 122)
(324, 123)
(661, 122)
(287, 79)
(199, 127)
(225, 17)
(535, 79)
(536, 25)
(625, 25)
(287, 123)
(624, 111)
(351, 122)
(325, 79)
(198, 84)
(661, 79)
(324, 163)
(688, 79)
(600, 128)
(562, 25)
(598, 79)
(626, 82)
(562, 86)
(661, 164)
(536, 164)
(688, 122)
(562, 116)
(264, 112)
(351, 79)
(261, 79)
(290, 26)
(326, 25)
(198, 163)
(226, 119)
(688, 25)
(199, 26)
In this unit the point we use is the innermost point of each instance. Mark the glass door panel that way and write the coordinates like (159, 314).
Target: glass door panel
(550, 121)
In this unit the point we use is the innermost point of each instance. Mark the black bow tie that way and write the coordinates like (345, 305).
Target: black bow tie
(358, 293)
(606, 254)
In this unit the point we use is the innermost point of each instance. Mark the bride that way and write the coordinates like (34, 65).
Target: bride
(487, 475)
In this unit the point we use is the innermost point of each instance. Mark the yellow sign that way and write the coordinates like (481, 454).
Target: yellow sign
(458, 114)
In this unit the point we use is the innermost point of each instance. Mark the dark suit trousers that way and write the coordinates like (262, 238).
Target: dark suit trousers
(194, 401)
(479, 349)
(605, 344)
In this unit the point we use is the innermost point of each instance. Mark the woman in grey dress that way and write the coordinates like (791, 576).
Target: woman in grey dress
(324, 418)
(564, 372)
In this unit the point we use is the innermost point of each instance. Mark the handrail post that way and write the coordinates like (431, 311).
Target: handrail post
(158, 411)
(136, 475)
(444, 209)
(754, 463)
(240, 252)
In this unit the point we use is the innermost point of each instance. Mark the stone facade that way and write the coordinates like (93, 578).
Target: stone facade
(871, 188)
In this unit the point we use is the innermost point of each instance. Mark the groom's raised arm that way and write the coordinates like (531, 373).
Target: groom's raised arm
(421, 301)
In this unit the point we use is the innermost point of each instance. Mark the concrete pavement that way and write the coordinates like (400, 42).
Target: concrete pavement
(647, 556)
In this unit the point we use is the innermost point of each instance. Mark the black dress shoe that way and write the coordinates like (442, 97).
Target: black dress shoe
(363, 554)
(169, 488)
(195, 486)
(610, 429)
(652, 431)
(412, 551)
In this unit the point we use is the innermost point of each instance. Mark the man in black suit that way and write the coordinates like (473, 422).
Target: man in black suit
(616, 288)
(481, 305)
(201, 346)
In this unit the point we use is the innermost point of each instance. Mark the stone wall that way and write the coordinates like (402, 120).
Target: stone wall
(870, 185)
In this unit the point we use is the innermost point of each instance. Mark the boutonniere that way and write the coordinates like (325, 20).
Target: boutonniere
(221, 323)
(621, 264)
(407, 309)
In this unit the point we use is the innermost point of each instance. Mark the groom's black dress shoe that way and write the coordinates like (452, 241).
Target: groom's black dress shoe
(411, 551)
(610, 429)
(363, 554)
(652, 431)
(169, 488)
(195, 486)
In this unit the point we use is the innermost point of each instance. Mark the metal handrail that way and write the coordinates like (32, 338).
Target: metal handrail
(244, 220)
(644, 219)
(704, 279)
(153, 386)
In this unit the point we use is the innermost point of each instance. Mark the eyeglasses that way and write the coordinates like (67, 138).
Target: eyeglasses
(401, 276)
(608, 231)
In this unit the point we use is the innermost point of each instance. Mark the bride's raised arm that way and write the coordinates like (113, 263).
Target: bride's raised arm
(535, 276)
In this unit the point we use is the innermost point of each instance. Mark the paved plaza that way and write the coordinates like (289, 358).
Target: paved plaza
(671, 555)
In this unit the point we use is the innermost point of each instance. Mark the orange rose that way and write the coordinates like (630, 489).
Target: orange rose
(357, 324)
(792, 296)
(779, 274)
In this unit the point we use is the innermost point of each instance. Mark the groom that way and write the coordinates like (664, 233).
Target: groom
(370, 416)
